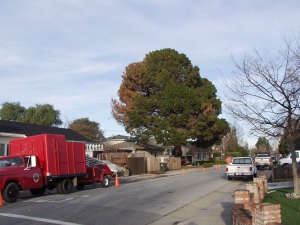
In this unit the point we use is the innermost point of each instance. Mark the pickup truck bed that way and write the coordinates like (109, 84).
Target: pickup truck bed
(263, 161)
(241, 167)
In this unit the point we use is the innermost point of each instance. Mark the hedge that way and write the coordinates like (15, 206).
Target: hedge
(222, 162)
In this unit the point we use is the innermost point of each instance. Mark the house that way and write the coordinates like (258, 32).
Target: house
(120, 143)
(11, 130)
(193, 154)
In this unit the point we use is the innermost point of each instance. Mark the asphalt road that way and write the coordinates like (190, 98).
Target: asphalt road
(174, 198)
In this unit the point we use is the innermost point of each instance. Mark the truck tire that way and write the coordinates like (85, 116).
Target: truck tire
(105, 182)
(11, 193)
(38, 191)
(80, 186)
(66, 186)
(229, 178)
(57, 186)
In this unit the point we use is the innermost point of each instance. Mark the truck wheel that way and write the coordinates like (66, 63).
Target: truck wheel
(57, 186)
(11, 193)
(229, 178)
(38, 191)
(80, 186)
(66, 186)
(105, 182)
(255, 175)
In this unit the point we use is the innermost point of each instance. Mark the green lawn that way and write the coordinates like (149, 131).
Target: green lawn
(290, 208)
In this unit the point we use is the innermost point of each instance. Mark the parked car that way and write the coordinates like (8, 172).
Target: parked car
(184, 161)
(114, 168)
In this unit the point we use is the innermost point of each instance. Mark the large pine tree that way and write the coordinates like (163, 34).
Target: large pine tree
(164, 97)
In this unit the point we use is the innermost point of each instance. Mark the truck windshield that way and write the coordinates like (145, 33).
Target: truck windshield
(242, 161)
(11, 162)
(262, 155)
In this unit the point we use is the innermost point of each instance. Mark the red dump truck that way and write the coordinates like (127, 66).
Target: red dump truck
(48, 161)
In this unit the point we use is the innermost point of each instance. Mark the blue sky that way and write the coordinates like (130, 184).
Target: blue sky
(71, 54)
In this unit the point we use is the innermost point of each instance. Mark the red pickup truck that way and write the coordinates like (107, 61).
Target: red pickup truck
(48, 161)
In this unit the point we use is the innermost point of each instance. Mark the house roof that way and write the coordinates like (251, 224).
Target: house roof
(120, 137)
(33, 129)
(194, 150)
(131, 146)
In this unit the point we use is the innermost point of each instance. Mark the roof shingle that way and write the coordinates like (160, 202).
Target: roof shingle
(33, 129)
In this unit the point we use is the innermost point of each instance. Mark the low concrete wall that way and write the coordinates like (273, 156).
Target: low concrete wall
(248, 208)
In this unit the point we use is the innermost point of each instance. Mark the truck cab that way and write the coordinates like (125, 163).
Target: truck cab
(288, 160)
(19, 173)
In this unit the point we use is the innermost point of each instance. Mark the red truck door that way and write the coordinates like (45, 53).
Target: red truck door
(32, 174)
(33, 178)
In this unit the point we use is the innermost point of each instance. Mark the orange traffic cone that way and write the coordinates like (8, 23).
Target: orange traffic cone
(203, 169)
(219, 167)
(117, 184)
(1, 203)
(183, 172)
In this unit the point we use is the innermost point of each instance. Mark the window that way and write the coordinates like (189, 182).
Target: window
(242, 161)
(2, 147)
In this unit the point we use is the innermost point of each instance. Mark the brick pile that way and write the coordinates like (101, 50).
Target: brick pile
(248, 208)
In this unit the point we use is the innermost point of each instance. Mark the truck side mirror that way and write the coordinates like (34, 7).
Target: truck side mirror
(33, 161)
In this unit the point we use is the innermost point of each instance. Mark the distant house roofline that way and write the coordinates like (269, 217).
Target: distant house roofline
(17, 128)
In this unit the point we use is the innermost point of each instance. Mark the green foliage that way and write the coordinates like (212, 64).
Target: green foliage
(44, 115)
(39, 114)
(88, 129)
(217, 154)
(290, 208)
(234, 154)
(263, 145)
(164, 97)
(222, 162)
(283, 147)
(207, 165)
(12, 111)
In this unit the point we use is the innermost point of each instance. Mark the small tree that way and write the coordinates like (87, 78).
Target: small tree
(265, 93)
(263, 145)
(40, 114)
(89, 129)
(12, 111)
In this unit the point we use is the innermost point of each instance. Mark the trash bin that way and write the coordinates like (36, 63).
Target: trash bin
(163, 167)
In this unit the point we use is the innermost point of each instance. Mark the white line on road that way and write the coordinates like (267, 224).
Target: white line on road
(37, 219)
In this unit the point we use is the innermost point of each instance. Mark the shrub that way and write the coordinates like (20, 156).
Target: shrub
(207, 165)
(217, 154)
(234, 154)
(222, 162)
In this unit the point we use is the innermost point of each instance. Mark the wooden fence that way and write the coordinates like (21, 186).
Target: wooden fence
(153, 164)
(283, 173)
(120, 158)
(135, 165)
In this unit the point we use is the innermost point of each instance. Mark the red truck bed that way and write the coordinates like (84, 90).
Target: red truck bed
(56, 156)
